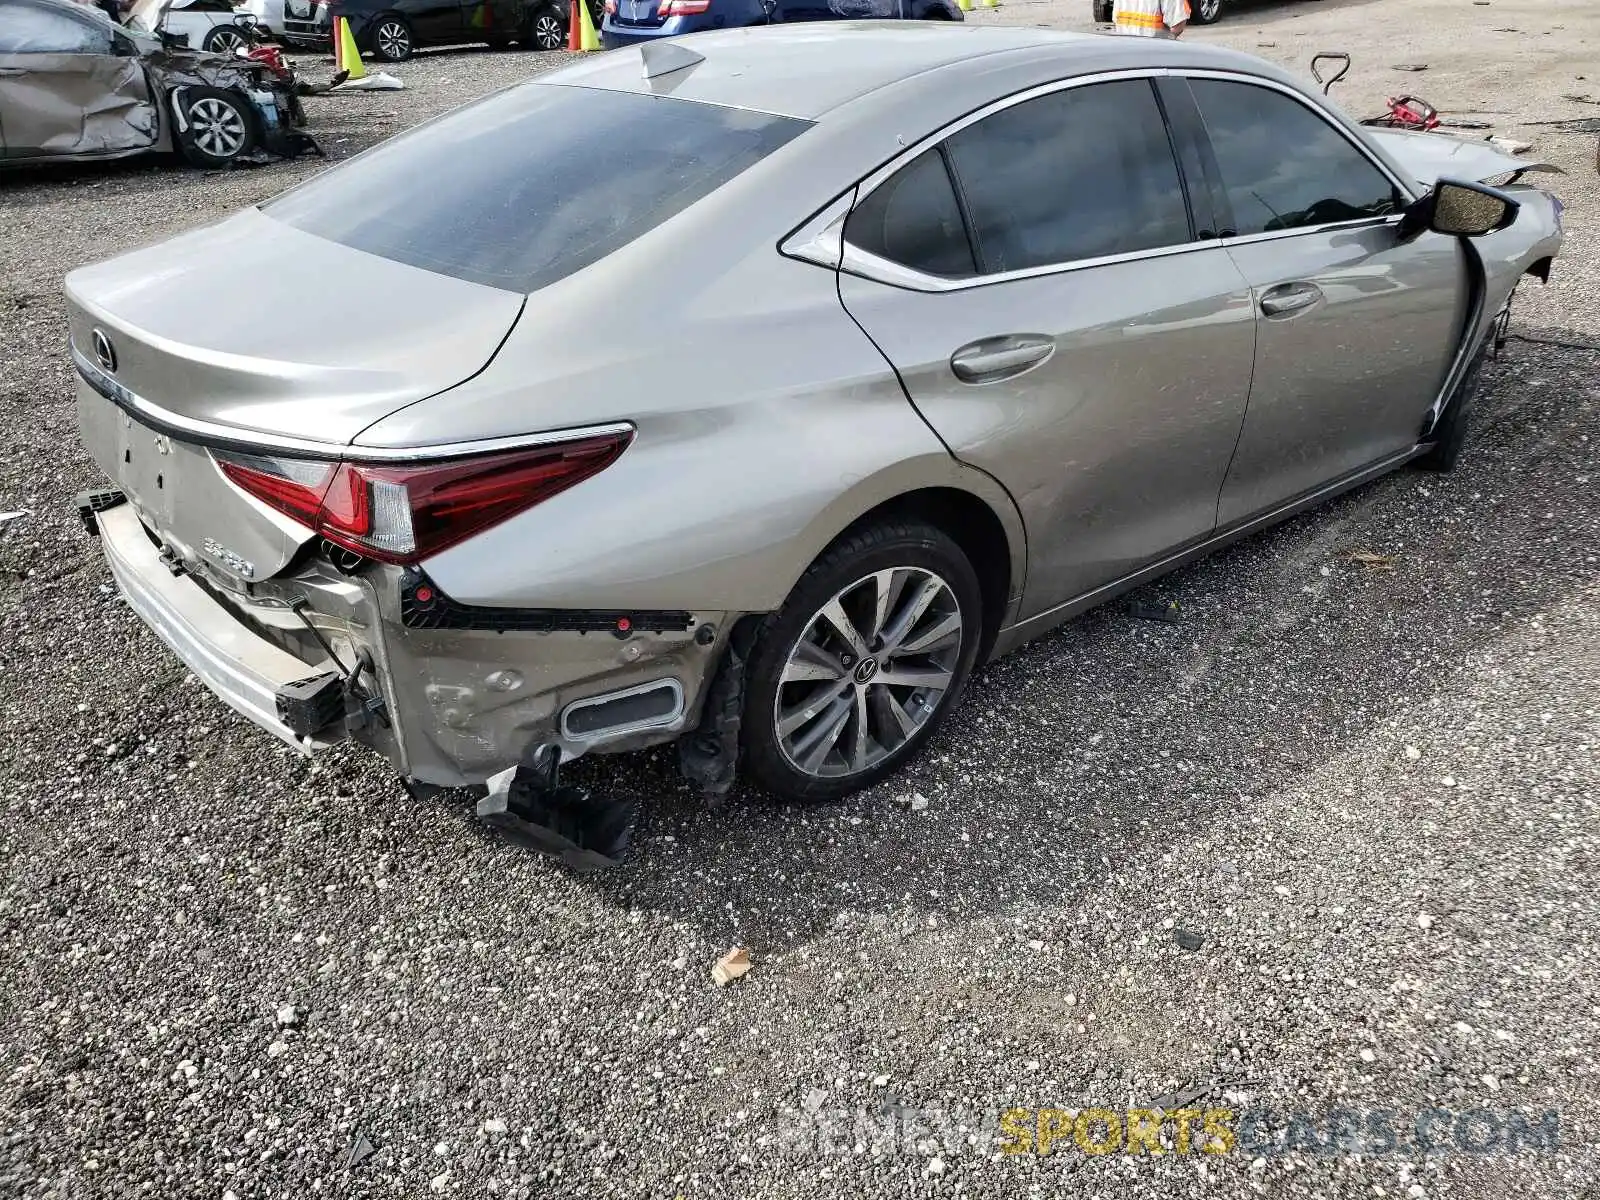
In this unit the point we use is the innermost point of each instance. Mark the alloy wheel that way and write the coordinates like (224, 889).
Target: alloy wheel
(870, 669)
(1209, 10)
(226, 41)
(217, 127)
(394, 40)
(548, 32)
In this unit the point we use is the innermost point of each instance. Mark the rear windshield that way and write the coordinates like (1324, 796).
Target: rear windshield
(532, 184)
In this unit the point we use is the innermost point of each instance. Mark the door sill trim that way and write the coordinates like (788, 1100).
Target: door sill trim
(1026, 630)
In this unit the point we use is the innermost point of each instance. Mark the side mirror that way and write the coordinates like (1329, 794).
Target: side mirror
(1460, 210)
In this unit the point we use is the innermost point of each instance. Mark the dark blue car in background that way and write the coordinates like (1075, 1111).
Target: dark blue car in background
(628, 22)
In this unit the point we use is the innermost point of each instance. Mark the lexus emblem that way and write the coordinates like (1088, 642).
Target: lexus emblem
(103, 353)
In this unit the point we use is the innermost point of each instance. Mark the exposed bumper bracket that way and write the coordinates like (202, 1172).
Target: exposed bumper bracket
(96, 500)
(530, 805)
(308, 706)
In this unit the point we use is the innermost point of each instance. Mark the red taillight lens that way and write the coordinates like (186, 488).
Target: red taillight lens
(403, 514)
(683, 8)
(291, 485)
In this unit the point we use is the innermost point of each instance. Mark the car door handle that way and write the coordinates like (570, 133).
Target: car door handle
(994, 359)
(1289, 298)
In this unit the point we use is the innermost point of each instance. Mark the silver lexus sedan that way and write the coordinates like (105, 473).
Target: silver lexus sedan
(749, 391)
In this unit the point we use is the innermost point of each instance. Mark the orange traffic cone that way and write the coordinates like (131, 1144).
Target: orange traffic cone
(580, 29)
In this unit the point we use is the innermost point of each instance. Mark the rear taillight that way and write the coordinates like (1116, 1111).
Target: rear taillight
(683, 8)
(403, 514)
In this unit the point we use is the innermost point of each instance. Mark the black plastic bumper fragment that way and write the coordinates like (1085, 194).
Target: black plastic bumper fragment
(709, 757)
(423, 605)
(96, 500)
(535, 809)
(308, 706)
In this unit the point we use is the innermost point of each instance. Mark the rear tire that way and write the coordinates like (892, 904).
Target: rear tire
(1204, 12)
(224, 39)
(821, 719)
(1102, 11)
(221, 127)
(1450, 436)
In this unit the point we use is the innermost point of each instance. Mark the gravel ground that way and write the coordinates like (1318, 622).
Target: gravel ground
(1366, 796)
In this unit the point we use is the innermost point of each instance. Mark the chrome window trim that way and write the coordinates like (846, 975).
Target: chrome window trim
(211, 433)
(1276, 235)
(854, 261)
(1317, 111)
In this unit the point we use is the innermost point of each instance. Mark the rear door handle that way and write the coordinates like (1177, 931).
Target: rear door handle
(1289, 298)
(997, 358)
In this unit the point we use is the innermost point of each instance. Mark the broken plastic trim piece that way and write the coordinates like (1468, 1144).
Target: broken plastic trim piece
(423, 605)
(530, 805)
(308, 706)
(96, 500)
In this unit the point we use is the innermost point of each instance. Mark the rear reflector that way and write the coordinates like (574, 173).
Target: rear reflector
(403, 514)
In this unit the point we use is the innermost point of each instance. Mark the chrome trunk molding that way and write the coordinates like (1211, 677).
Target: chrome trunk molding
(213, 434)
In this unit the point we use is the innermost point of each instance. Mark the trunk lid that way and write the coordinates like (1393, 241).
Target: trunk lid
(638, 14)
(259, 328)
(252, 333)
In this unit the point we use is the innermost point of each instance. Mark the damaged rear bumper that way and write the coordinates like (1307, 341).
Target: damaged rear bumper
(450, 696)
(244, 670)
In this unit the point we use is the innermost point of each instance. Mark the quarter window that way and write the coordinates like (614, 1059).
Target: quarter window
(913, 219)
(1076, 174)
(1284, 167)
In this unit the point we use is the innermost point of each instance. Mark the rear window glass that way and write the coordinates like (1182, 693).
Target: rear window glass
(532, 184)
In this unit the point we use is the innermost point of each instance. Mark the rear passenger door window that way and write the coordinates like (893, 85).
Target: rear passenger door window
(1283, 166)
(1082, 173)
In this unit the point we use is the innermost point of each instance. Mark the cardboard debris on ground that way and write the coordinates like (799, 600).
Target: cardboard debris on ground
(378, 81)
(1509, 145)
(735, 964)
(1372, 560)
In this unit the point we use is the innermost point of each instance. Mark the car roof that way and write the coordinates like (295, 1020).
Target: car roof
(806, 70)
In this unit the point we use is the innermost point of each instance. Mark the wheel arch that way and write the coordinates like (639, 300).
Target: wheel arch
(982, 520)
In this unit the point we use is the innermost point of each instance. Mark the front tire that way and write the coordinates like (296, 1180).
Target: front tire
(871, 651)
(221, 128)
(391, 39)
(1204, 12)
(1102, 11)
